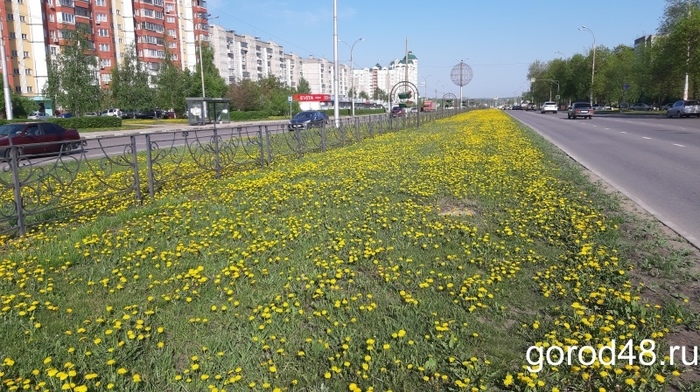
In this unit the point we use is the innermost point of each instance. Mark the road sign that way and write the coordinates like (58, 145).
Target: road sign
(625, 86)
(557, 97)
(289, 99)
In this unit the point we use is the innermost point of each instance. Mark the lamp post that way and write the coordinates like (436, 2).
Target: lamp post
(425, 84)
(352, 72)
(584, 28)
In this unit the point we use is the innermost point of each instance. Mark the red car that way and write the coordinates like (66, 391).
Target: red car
(35, 138)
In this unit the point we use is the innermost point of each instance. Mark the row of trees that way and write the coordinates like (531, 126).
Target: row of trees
(73, 85)
(654, 72)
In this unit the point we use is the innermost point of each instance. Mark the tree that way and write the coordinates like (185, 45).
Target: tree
(170, 86)
(303, 86)
(364, 95)
(380, 95)
(72, 78)
(214, 84)
(21, 106)
(130, 88)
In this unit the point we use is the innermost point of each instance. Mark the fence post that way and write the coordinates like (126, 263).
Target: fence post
(261, 138)
(17, 189)
(134, 157)
(217, 159)
(370, 123)
(149, 166)
(357, 129)
(323, 138)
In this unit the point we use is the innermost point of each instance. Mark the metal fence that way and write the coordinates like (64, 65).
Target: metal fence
(111, 174)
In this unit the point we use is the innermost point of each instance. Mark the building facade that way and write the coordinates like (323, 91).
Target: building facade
(34, 30)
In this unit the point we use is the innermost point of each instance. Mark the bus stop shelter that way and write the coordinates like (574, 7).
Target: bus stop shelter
(203, 110)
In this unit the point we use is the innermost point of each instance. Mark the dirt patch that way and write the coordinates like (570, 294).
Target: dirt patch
(457, 208)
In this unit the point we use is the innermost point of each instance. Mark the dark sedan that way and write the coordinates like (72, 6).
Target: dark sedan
(37, 138)
(308, 119)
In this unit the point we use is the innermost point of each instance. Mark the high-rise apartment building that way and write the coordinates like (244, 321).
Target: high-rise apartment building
(33, 30)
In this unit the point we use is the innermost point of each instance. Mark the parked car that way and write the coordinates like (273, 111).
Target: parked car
(580, 109)
(38, 116)
(683, 108)
(601, 107)
(35, 138)
(640, 106)
(308, 119)
(397, 111)
(112, 112)
(549, 106)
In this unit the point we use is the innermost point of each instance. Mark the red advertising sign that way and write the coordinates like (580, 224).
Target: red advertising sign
(312, 97)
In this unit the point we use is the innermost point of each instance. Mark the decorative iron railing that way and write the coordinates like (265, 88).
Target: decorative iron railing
(109, 174)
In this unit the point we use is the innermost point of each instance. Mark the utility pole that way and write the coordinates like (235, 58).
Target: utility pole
(336, 83)
(5, 79)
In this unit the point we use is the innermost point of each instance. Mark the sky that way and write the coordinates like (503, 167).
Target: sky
(497, 39)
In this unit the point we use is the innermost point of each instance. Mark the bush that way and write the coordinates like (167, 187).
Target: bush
(249, 115)
(78, 122)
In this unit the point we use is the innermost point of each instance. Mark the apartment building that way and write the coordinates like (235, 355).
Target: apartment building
(33, 30)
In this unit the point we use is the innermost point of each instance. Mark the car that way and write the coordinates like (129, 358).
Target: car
(580, 109)
(549, 106)
(38, 116)
(36, 138)
(683, 108)
(640, 106)
(597, 107)
(112, 112)
(308, 119)
(397, 111)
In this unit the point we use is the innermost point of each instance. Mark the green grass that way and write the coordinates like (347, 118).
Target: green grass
(420, 260)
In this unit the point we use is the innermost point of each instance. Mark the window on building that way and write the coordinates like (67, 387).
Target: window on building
(10, 16)
(22, 18)
(16, 71)
(103, 32)
(12, 35)
(66, 3)
(26, 54)
(14, 53)
(18, 89)
(28, 71)
(30, 89)
(51, 18)
(24, 36)
(100, 3)
(67, 18)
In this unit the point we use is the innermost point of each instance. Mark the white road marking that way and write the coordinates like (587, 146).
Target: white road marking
(644, 137)
(678, 145)
(623, 132)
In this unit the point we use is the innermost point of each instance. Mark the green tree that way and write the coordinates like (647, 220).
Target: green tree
(21, 106)
(72, 77)
(244, 96)
(380, 95)
(364, 95)
(303, 86)
(214, 85)
(130, 83)
(170, 86)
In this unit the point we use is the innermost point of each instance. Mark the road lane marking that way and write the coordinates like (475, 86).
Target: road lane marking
(644, 137)
(624, 132)
(678, 145)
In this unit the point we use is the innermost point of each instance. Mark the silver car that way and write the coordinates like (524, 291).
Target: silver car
(549, 106)
(683, 108)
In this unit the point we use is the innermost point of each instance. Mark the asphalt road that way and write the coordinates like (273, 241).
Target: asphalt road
(655, 161)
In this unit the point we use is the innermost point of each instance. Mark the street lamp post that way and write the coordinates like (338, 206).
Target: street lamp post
(584, 28)
(425, 85)
(352, 72)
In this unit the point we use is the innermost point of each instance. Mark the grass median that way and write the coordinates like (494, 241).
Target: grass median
(427, 259)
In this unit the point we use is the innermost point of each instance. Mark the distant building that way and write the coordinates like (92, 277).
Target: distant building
(644, 41)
